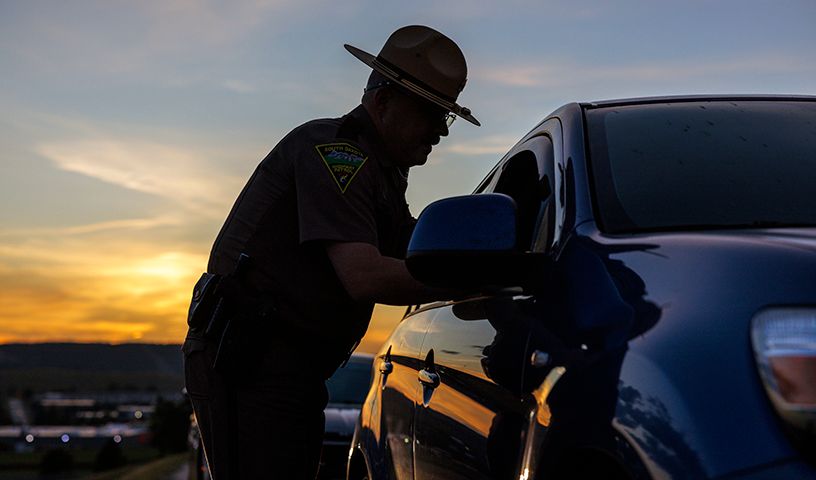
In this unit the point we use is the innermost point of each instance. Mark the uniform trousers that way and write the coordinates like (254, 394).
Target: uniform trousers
(262, 420)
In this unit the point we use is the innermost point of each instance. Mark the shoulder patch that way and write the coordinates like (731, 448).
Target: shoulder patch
(343, 161)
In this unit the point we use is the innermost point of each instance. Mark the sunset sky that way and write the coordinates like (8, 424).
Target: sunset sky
(128, 128)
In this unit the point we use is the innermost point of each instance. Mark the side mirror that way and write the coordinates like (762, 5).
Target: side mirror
(470, 242)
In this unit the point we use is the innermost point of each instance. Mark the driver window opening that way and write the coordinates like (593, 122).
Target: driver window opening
(520, 180)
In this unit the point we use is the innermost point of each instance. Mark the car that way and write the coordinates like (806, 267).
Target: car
(637, 300)
(196, 461)
(347, 388)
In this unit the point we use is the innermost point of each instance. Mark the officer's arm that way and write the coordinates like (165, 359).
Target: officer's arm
(368, 276)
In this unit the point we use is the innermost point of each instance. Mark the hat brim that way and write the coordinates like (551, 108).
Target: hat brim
(396, 77)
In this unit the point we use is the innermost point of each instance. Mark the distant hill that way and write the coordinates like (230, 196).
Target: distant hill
(83, 367)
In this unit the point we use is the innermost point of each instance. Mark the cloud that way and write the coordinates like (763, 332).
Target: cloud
(57, 289)
(127, 38)
(490, 145)
(70, 289)
(113, 225)
(169, 171)
(558, 74)
(239, 86)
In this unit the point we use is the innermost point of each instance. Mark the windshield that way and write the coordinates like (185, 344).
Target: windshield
(704, 164)
(350, 383)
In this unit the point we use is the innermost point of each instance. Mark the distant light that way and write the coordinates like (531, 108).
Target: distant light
(138, 414)
(30, 438)
(117, 438)
(65, 438)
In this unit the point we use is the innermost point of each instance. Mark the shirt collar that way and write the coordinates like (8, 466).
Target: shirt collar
(368, 131)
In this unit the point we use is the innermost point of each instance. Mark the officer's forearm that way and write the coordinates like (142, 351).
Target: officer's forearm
(368, 276)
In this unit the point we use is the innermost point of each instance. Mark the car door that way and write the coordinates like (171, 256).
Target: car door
(469, 420)
(392, 411)
(468, 416)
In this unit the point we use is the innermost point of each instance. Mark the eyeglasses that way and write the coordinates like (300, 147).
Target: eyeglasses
(384, 83)
(432, 108)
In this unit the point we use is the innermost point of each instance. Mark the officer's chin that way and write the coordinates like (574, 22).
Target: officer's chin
(415, 157)
(421, 156)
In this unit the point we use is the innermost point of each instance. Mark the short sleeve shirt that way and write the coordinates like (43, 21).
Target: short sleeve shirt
(327, 181)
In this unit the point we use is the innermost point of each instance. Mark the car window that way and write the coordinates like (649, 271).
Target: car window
(527, 177)
(544, 231)
(489, 182)
(349, 384)
(520, 180)
(698, 165)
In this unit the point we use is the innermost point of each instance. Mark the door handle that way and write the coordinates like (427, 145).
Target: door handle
(386, 367)
(428, 378)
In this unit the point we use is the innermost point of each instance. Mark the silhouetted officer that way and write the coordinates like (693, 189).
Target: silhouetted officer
(312, 242)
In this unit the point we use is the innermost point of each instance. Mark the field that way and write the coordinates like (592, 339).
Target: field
(143, 464)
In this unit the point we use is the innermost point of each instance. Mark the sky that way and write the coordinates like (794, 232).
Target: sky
(127, 129)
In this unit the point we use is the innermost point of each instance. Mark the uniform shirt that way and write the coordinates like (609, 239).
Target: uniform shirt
(327, 181)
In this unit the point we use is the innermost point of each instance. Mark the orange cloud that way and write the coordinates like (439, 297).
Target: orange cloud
(98, 285)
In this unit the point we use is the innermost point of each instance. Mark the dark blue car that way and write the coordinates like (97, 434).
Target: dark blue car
(645, 304)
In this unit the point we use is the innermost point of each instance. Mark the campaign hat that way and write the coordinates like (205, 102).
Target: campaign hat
(424, 62)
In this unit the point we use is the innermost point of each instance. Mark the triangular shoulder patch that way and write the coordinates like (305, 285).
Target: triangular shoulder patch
(343, 161)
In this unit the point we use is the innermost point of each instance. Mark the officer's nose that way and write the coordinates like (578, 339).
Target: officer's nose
(442, 128)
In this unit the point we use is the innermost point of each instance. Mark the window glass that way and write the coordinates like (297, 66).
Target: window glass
(708, 164)
(544, 231)
(489, 182)
(519, 179)
(350, 383)
(528, 177)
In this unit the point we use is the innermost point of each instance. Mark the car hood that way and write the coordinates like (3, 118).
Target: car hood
(692, 362)
(797, 238)
(742, 266)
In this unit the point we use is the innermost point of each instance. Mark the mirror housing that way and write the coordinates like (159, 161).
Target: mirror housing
(470, 242)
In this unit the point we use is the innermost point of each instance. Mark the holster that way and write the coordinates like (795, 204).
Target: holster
(236, 321)
(204, 301)
(226, 313)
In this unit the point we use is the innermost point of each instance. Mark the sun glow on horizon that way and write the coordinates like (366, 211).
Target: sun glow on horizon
(110, 291)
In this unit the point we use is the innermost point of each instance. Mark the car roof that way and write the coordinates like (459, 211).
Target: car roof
(693, 98)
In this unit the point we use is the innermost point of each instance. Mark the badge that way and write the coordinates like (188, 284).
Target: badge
(343, 161)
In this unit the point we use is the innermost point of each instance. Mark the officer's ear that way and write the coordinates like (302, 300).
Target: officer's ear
(381, 104)
(382, 99)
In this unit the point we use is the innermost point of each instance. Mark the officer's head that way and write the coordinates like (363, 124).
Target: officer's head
(412, 91)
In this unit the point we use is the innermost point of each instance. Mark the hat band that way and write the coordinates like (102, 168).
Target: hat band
(408, 80)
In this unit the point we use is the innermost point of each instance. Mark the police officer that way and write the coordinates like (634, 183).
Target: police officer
(315, 238)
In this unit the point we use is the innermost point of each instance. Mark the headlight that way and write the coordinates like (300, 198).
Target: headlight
(784, 341)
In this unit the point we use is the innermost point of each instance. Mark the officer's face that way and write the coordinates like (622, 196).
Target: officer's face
(411, 127)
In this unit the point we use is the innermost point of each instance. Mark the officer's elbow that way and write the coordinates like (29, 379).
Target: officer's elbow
(369, 277)
(357, 266)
